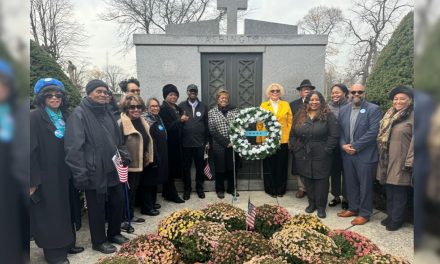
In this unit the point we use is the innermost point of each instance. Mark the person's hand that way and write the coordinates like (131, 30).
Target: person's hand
(184, 117)
(32, 190)
(348, 148)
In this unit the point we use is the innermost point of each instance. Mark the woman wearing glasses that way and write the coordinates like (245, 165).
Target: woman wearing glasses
(139, 143)
(50, 210)
(275, 166)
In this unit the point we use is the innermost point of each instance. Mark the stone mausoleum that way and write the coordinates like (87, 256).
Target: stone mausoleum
(245, 64)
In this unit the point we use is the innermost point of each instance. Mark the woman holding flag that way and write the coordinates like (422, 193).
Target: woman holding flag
(139, 143)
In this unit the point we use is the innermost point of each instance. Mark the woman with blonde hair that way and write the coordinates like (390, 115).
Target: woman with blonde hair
(275, 166)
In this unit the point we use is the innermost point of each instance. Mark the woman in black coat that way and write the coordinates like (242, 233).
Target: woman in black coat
(50, 210)
(313, 137)
(173, 117)
(157, 171)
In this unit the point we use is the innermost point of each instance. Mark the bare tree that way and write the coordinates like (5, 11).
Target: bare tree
(321, 20)
(372, 24)
(151, 16)
(53, 27)
(113, 74)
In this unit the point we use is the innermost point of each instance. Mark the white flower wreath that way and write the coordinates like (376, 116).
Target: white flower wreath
(238, 133)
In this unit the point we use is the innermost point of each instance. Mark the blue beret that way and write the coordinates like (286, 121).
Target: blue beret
(6, 69)
(44, 82)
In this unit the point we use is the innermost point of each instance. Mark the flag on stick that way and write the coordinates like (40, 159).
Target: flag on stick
(121, 169)
(250, 215)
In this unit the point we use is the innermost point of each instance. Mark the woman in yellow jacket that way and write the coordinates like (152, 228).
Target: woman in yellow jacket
(275, 166)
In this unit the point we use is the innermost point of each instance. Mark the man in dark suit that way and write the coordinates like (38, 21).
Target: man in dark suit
(304, 88)
(359, 123)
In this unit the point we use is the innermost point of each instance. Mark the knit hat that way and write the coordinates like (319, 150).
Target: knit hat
(93, 84)
(401, 89)
(46, 82)
(169, 88)
(305, 83)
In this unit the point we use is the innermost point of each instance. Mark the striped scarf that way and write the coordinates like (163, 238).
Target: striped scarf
(391, 118)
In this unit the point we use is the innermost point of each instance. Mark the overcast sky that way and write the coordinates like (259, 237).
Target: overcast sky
(103, 42)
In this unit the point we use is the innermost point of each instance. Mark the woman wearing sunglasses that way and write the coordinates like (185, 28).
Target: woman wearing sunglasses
(50, 210)
(275, 166)
(139, 143)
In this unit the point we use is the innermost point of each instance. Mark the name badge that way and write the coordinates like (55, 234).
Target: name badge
(198, 114)
(160, 127)
(363, 111)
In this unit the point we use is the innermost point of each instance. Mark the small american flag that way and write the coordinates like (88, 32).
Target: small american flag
(207, 171)
(122, 171)
(250, 215)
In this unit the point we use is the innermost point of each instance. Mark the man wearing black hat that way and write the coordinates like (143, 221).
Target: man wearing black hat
(195, 138)
(91, 139)
(303, 89)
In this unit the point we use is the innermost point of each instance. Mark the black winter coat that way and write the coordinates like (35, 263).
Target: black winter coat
(296, 105)
(195, 133)
(157, 171)
(50, 213)
(89, 147)
(313, 144)
(171, 119)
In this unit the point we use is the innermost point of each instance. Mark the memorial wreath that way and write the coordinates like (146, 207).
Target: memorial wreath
(239, 134)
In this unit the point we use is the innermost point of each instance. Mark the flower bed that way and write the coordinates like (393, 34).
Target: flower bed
(240, 246)
(192, 236)
(270, 219)
(201, 240)
(175, 225)
(232, 217)
(300, 245)
(308, 222)
(381, 258)
(150, 249)
(119, 260)
(352, 244)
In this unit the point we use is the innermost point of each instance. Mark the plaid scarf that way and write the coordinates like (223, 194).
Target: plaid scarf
(391, 118)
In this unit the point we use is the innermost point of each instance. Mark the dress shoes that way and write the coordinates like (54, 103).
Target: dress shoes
(137, 220)
(334, 202)
(156, 206)
(186, 195)
(220, 195)
(321, 213)
(201, 194)
(347, 213)
(118, 239)
(232, 193)
(176, 199)
(310, 209)
(152, 212)
(344, 205)
(300, 194)
(393, 226)
(385, 221)
(359, 220)
(105, 248)
(127, 228)
(75, 250)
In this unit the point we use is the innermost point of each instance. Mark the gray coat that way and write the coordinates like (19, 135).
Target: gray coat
(401, 154)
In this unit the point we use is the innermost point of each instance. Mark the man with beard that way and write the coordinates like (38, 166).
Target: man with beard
(359, 124)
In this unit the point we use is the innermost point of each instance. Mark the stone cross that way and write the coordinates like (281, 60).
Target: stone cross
(231, 7)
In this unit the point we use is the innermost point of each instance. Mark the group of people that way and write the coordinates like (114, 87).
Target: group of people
(74, 152)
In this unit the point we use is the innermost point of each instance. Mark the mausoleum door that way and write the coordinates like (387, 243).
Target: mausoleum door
(241, 75)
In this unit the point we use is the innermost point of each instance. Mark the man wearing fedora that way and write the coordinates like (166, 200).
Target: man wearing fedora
(304, 88)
